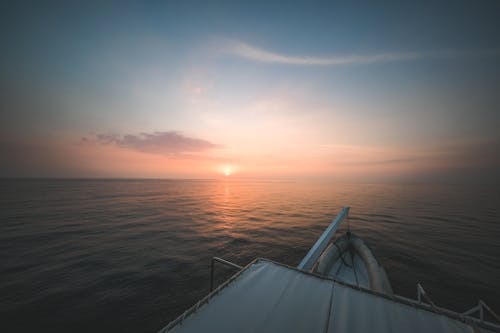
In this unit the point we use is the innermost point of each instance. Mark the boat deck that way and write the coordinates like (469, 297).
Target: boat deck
(271, 297)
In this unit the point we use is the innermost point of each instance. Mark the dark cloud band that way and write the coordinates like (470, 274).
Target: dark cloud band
(164, 143)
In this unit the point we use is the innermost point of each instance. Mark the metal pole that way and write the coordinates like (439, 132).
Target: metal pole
(212, 274)
(222, 261)
(307, 263)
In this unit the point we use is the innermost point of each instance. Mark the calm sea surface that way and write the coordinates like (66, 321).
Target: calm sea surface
(129, 256)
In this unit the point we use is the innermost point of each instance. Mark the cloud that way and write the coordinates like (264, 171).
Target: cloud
(168, 143)
(247, 51)
(240, 49)
(403, 160)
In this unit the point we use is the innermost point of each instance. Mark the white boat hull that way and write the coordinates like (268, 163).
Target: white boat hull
(350, 260)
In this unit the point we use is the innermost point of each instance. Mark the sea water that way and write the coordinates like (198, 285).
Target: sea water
(131, 255)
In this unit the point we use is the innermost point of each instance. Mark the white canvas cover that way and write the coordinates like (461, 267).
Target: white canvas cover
(269, 297)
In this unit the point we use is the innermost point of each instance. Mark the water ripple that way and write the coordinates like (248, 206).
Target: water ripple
(128, 256)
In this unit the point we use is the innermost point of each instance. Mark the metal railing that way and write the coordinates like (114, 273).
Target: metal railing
(480, 310)
(221, 261)
(421, 292)
(424, 300)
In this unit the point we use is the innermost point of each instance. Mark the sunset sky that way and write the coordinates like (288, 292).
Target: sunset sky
(349, 91)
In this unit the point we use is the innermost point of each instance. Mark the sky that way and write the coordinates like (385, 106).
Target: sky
(341, 90)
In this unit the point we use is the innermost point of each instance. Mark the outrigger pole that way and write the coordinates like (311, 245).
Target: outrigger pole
(312, 256)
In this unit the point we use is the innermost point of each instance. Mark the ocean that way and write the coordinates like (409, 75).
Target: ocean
(131, 255)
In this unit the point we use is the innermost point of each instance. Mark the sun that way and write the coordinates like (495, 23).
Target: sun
(227, 170)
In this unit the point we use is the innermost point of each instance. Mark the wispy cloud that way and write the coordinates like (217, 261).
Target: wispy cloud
(244, 50)
(168, 143)
(240, 49)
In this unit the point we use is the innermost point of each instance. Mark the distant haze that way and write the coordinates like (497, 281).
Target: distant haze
(343, 91)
